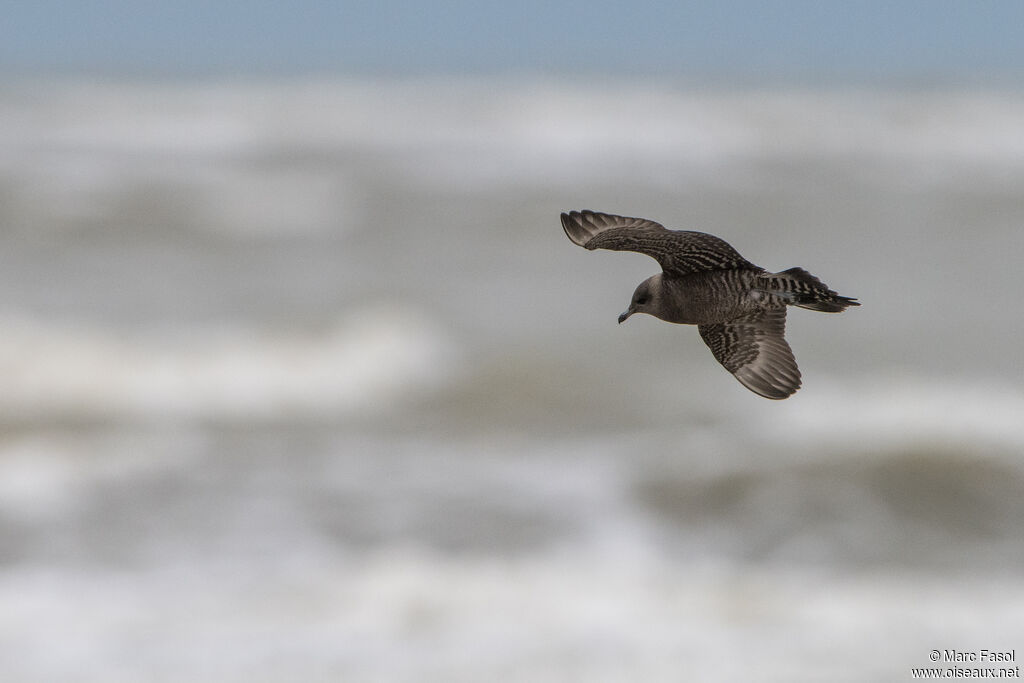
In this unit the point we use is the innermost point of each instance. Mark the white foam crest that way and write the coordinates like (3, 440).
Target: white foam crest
(656, 120)
(895, 410)
(514, 127)
(403, 616)
(473, 133)
(367, 363)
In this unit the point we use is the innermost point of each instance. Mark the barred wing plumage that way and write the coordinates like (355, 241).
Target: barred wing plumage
(754, 349)
(679, 252)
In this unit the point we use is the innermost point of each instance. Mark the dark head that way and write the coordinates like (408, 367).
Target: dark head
(644, 298)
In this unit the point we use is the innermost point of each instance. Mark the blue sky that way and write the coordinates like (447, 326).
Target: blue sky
(871, 39)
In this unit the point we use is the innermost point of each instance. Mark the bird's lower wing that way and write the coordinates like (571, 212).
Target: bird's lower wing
(754, 349)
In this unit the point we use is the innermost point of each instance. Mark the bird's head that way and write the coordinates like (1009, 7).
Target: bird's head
(645, 298)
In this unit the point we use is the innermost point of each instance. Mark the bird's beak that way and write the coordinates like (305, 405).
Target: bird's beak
(625, 314)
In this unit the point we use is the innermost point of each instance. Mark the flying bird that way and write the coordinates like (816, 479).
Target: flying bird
(739, 308)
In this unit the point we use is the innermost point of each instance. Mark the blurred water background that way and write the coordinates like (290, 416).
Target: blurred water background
(303, 382)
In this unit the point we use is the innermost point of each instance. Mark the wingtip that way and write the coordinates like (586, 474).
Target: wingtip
(775, 389)
(573, 224)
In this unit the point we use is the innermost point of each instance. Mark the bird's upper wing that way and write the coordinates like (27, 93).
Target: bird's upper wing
(754, 349)
(679, 252)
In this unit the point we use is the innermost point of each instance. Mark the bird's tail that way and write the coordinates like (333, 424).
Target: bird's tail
(799, 288)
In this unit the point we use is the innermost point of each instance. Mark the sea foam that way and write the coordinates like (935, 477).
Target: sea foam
(367, 362)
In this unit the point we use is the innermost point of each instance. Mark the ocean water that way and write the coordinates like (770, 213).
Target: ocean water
(303, 381)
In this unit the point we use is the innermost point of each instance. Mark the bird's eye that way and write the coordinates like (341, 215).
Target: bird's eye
(641, 300)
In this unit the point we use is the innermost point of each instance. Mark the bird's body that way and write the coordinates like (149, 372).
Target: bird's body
(739, 308)
(705, 297)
